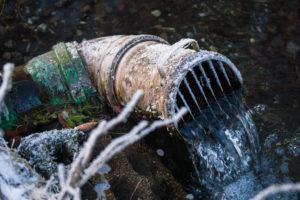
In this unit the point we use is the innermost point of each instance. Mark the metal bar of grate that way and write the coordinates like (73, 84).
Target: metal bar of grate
(224, 73)
(226, 77)
(191, 93)
(202, 91)
(177, 110)
(212, 68)
(210, 88)
(189, 109)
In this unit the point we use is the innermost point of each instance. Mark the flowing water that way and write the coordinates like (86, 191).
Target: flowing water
(226, 152)
(226, 146)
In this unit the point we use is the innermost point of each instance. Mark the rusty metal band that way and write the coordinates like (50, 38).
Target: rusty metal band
(73, 71)
(111, 92)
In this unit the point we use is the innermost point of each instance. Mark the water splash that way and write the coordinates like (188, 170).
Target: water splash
(226, 145)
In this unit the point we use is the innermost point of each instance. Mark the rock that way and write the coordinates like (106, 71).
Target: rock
(160, 152)
(252, 40)
(44, 150)
(189, 196)
(202, 14)
(156, 13)
(42, 27)
(189, 34)
(79, 33)
(213, 48)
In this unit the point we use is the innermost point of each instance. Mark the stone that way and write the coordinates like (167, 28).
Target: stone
(160, 152)
(156, 13)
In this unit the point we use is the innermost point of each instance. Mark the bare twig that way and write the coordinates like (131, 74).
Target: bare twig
(274, 189)
(80, 172)
(120, 143)
(103, 127)
(6, 81)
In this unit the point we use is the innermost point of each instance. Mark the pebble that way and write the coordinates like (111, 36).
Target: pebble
(156, 13)
(42, 27)
(189, 196)
(202, 14)
(252, 40)
(29, 21)
(160, 152)
(189, 34)
(79, 33)
(213, 48)
(259, 109)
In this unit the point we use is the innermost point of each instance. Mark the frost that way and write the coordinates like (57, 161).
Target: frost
(16, 178)
(40, 148)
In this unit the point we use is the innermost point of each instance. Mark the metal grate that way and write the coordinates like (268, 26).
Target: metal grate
(204, 84)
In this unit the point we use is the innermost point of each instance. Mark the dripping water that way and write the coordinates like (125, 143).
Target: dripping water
(222, 136)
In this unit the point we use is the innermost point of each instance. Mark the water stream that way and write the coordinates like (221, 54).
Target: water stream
(227, 154)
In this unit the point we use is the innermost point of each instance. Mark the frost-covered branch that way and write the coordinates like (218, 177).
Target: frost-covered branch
(274, 189)
(103, 127)
(80, 172)
(6, 81)
(120, 143)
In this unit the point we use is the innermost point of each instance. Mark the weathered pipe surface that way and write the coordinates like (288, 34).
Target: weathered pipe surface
(171, 76)
(119, 65)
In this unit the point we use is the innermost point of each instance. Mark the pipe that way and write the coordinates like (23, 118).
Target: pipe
(171, 76)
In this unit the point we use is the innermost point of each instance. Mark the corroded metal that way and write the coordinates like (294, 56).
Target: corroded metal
(61, 74)
(102, 57)
(44, 70)
(171, 76)
(56, 77)
(120, 65)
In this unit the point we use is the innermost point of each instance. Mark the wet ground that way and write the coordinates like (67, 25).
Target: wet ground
(262, 38)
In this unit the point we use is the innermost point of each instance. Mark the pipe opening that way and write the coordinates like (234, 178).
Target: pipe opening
(205, 83)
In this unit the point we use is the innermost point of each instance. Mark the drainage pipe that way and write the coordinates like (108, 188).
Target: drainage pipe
(115, 67)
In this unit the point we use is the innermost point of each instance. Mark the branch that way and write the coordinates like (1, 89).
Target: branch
(274, 189)
(6, 81)
(79, 173)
